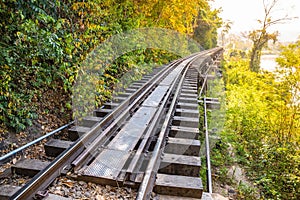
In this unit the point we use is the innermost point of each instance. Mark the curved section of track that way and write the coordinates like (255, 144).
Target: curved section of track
(127, 145)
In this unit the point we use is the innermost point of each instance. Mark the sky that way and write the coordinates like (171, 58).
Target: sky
(245, 13)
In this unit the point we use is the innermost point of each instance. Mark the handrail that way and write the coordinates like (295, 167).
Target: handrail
(8, 155)
(208, 165)
(203, 85)
(207, 149)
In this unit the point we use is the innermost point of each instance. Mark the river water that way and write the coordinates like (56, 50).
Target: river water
(268, 62)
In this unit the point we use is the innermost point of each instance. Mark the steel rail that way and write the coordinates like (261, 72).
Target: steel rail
(90, 150)
(43, 179)
(147, 183)
(150, 174)
(136, 162)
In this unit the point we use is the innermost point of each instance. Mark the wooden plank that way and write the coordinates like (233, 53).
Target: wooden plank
(6, 191)
(132, 90)
(187, 113)
(54, 147)
(180, 165)
(188, 100)
(90, 121)
(189, 87)
(185, 121)
(77, 131)
(189, 91)
(189, 95)
(183, 146)
(178, 186)
(101, 112)
(184, 132)
(29, 167)
(169, 197)
(124, 94)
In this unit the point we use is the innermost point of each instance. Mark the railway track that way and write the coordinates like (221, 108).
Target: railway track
(145, 138)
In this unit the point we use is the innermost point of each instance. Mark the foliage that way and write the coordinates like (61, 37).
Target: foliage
(266, 122)
(44, 44)
(194, 18)
(207, 24)
(34, 47)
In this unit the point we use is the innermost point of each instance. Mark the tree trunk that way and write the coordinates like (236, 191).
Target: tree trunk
(255, 59)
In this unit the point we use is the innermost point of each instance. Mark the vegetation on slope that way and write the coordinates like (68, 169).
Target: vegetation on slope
(263, 122)
(43, 44)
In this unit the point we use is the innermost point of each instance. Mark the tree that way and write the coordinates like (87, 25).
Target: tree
(207, 23)
(262, 36)
(225, 30)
